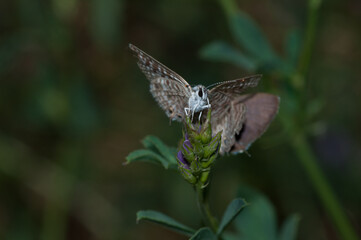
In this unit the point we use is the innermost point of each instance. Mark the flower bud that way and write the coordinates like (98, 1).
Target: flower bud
(198, 151)
(213, 146)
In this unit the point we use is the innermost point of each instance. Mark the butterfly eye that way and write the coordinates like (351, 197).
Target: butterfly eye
(200, 93)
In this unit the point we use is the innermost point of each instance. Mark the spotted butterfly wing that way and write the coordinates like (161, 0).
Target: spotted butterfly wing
(222, 94)
(245, 119)
(169, 89)
(226, 114)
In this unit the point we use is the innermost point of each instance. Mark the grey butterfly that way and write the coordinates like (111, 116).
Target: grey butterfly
(243, 118)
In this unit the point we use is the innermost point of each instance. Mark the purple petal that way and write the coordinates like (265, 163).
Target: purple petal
(186, 137)
(188, 144)
(181, 159)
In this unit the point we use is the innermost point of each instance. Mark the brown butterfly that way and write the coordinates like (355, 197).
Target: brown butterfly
(243, 118)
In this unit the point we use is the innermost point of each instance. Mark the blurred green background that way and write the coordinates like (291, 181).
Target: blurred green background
(73, 104)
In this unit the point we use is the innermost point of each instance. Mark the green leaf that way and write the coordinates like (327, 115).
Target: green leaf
(258, 220)
(249, 36)
(293, 47)
(154, 143)
(164, 220)
(233, 209)
(223, 52)
(289, 228)
(204, 234)
(146, 155)
(230, 236)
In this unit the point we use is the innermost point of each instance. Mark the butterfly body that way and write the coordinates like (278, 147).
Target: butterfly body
(198, 101)
(242, 118)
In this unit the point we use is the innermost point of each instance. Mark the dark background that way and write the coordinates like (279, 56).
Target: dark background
(73, 104)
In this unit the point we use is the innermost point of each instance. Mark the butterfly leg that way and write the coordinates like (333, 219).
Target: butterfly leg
(186, 110)
(192, 114)
(194, 109)
(203, 108)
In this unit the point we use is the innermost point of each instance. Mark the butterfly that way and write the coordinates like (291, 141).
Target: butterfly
(242, 118)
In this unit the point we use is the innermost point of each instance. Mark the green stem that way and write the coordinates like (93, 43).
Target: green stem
(323, 189)
(299, 142)
(313, 7)
(203, 205)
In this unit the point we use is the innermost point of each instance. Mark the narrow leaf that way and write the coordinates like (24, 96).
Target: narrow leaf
(258, 220)
(164, 220)
(293, 46)
(223, 52)
(204, 234)
(154, 143)
(146, 155)
(289, 228)
(249, 36)
(233, 209)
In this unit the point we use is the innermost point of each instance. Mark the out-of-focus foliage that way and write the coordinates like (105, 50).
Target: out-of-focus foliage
(164, 220)
(156, 151)
(73, 104)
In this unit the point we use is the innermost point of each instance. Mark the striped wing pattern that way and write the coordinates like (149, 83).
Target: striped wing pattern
(242, 118)
(169, 89)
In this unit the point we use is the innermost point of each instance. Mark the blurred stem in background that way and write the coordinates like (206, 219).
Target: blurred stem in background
(295, 129)
(299, 140)
(55, 214)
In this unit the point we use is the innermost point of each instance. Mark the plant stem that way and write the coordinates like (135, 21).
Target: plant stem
(308, 161)
(203, 205)
(299, 142)
(313, 7)
(323, 189)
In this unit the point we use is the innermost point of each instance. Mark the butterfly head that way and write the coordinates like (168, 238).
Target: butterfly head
(200, 93)
(199, 99)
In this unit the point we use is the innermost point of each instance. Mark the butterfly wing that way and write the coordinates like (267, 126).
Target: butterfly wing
(231, 124)
(260, 110)
(169, 89)
(171, 97)
(222, 94)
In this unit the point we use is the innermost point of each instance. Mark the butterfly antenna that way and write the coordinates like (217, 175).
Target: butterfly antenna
(214, 84)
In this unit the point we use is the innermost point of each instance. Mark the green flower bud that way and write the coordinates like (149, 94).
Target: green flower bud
(213, 146)
(204, 177)
(187, 175)
(198, 151)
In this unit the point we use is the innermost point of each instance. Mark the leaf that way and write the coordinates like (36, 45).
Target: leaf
(249, 36)
(230, 236)
(223, 52)
(289, 228)
(146, 155)
(293, 47)
(258, 220)
(204, 234)
(164, 220)
(233, 209)
(154, 143)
